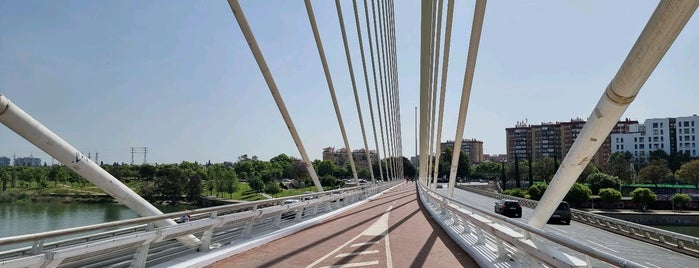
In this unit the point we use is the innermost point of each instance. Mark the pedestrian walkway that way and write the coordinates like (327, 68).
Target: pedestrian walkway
(391, 230)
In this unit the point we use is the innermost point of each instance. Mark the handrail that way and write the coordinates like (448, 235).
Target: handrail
(674, 241)
(216, 225)
(525, 240)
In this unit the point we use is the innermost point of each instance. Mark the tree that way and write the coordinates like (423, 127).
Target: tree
(514, 192)
(58, 174)
(677, 159)
(147, 171)
(680, 200)
(536, 191)
(194, 187)
(4, 177)
(655, 172)
(643, 196)
(689, 172)
(544, 169)
(328, 180)
(610, 196)
(324, 167)
(409, 169)
(225, 179)
(600, 180)
(589, 170)
(619, 164)
(256, 184)
(578, 194)
(170, 181)
(487, 170)
(658, 154)
(273, 188)
(363, 173)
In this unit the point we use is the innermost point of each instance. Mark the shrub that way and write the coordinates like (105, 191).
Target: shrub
(610, 196)
(599, 181)
(643, 196)
(578, 194)
(680, 200)
(514, 192)
(537, 191)
(273, 188)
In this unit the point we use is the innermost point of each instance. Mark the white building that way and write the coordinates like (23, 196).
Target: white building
(672, 135)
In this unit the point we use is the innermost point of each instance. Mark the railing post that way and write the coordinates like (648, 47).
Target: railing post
(38, 247)
(208, 234)
(141, 254)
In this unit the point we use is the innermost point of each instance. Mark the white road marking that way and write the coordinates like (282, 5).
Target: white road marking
(389, 259)
(652, 264)
(600, 245)
(380, 227)
(356, 264)
(558, 229)
(363, 244)
(356, 253)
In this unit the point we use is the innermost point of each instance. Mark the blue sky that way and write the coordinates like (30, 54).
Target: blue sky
(178, 77)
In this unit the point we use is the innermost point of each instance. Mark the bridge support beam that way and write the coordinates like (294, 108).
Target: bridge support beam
(656, 38)
(33, 131)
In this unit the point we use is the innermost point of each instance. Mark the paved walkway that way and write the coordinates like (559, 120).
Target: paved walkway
(392, 230)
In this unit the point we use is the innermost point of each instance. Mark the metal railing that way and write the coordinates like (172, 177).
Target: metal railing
(140, 243)
(495, 240)
(674, 241)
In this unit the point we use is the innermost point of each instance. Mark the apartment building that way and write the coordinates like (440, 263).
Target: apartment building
(554, 140)
(672, 135)
(27, 161)
(472, 147)
(339, 157)
(4, 161)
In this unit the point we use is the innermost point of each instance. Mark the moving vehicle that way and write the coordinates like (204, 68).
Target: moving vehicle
(509, 208)
(562, 214)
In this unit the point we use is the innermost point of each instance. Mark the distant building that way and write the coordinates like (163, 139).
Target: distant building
(415, 160)
(27, 161)
(339, 157)
(554, 140)
(472, 147)
(497, 158)
(4, 161)
(672, 135)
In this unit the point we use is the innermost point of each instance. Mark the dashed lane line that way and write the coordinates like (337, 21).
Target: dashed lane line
(356, 253)
(356, 264)
(602, 246)
(363, 244)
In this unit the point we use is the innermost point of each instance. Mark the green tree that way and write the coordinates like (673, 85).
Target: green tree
(224, 178)
(324, 167)
(689, 172)
(4, 177)
(619, 165)
(589, 170)
(194, 187)
(147, 172)
(364, 173)
(536, 191)
(58, 174)
(544, 169)
(273, 188)
(578, 194)
(170, 181)
(610, 196)
(658, 154)
(600, 180)
(256, 184)
(655, 172)
(245, 169)
(680, 200)
(328, 180)
(515, 192)
(409, 169)
(486, 170)
(643, 196)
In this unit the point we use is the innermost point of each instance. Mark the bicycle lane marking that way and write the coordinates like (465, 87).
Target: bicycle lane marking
(379, 228)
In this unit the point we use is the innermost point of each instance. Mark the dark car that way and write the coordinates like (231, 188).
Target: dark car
(562, 214)
(509, 208)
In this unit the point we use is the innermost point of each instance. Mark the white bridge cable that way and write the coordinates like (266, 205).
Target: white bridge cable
(328, 78)
(354, 86)
(433, 94)
(388, 115)
(657, 36)
(397, 91)
(394, 90)
(476, 28)
(264, 69)
(437, 140)
(366, 77)
(376, 90)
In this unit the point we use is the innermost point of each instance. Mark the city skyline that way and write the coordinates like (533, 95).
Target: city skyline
(178, 78)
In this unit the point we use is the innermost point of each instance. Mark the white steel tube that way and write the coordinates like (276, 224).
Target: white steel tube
(331, 87)
(476, 28)
(262, 64)
(424, 87)
(656, 38)
(354, 85)
(33, 131)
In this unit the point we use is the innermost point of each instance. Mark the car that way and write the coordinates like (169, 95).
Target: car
(509, 208)
(562, 214)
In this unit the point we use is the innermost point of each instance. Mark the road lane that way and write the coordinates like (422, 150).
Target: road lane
(622, 246)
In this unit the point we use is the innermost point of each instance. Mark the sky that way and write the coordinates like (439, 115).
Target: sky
(178, 77)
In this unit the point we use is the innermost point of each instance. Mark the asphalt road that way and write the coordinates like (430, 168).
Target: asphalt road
(629, 248)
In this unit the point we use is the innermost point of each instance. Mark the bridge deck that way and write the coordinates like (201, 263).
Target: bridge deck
(390, 230)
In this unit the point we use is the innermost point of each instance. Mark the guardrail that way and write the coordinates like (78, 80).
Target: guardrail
(494, 240)
(140, 243)
(674, 241)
